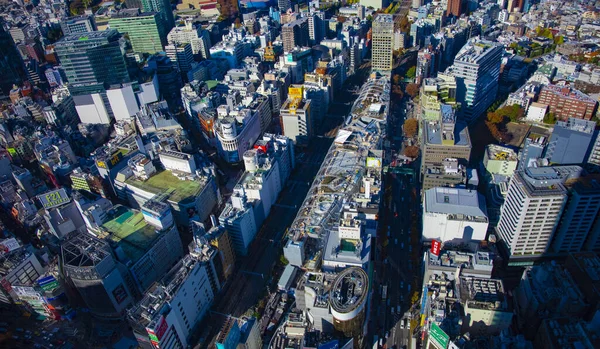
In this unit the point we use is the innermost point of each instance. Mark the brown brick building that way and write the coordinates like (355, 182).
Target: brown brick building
(565, 102)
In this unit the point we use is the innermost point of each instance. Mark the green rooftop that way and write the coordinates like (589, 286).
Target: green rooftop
(165, 182)
(211, 84)
(128, 230)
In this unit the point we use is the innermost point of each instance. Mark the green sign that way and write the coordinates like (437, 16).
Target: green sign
(50, 286)
(438, 337)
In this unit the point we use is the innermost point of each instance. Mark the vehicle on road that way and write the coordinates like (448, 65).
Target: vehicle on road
(396, 241)
(384, 292)
(375, 339)
(401, 284)
(402, 246)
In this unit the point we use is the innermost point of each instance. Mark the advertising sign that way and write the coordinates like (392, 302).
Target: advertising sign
(295, 92)
(120, 294)
(54, 198)
(373, 162)
(161, 327)
(9, 245)
(438, 336)
(435, 247)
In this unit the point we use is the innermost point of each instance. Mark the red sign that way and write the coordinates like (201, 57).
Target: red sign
(161, 328)
(435, 247)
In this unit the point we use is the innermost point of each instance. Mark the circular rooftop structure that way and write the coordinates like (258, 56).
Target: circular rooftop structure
(348, 294)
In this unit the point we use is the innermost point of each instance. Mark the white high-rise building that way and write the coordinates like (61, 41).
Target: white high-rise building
(382, 51)
(532, 210)
(476, 69)
(194, 35)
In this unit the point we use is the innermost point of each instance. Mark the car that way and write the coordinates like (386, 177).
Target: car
(387, 334)
(396, 241)
(409, 248)
(402, 246)
(19, 329)
(401, 325)
(401, 284)
(398, 309)
(27, 336)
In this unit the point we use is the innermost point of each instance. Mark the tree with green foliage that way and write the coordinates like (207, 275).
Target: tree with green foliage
(411, 72)
(549, 118)
(283, 260)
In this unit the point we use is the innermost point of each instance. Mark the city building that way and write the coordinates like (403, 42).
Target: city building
(294, 34)
(500, 160)
(297, 118)
(593, 160)
(570, 141)
(348, 301)
(239, 218)
(147, 242)
(11, 66)
(103, 282)
(376, 4)
(546, 291)
(449, 174)
(145, 31)
(566, 102)
(584, 268)
(168, 313)
(566, 333)
(476, 69)
(382, 50)
(187, 193)
(578, 222)
(454, 214)
(531, 212)
(181, 55)
(194, 35)
(19, 266)
(163, 7)
(445, 138)
(455, 8)
(486, 305)
(81, 24)
(79, 55)
(229, 336)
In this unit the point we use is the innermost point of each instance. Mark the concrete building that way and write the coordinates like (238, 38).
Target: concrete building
(455, 8)
(580, 216)
(146, 31)
(546, 291)
(476, 69)
(449, 174)
(445, 138)
(236, 132)
(376, 4)
(163, 7)
(566, 102)
(566, 333)
(186, 193)
(103, 282)
(168, 313)
(123, 101)
(570, 141)
(349, 245)
(177, 161)
(584, 268)
(92, 109)
(500, 160)
(536, 112)
(297, 119)
(157, 243)
(19, 266)
(531, 212)
(182, 56)
(349, 301)
(382, 50)
(194, 35)
(239, 218)
(454, 214)
(295, 34)
(485, 305)
(81, 24)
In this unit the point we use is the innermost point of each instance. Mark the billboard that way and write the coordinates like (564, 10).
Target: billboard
(295, 92)
(54, 198)
(48, 283)
(436, 247)
(439, 338)
(373, 162)
(9, 245)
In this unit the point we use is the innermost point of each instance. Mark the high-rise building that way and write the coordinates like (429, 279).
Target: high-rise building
(146, 31)
(580, 215)
(593, 160)
(443, 139)
(81, 24)
(570, 141)
(11, 64)
(163, 7)
(476, 69)
(181, 55)
(284, 5)
(297, 118)
(295, 34)
(382, 51)
(196, 36)
(316, 27)
(92, 58)
(455, 8)
(531, 212)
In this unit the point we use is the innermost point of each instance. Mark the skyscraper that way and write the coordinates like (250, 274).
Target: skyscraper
(92, 58)
(316, 27)
(146, 31)
(476, 69)
(294, 34)
(182, 56)
(455, 8)
(11, 65)
(382, 50)
(164, 8)
(531, 212)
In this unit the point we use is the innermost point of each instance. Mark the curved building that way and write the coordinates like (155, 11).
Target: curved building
(348, 299)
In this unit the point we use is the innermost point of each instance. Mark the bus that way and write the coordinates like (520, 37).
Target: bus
(384, 292)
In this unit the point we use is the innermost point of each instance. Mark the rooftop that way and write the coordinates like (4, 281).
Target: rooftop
(497, 152)
(349, 290)
(129, 231)
(84, 250)
(571, 334)
(164, 181)
(568, 92)
(455, 201)
(434, 133)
